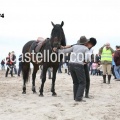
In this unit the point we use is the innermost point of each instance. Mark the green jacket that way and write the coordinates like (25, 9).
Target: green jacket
(100, 52)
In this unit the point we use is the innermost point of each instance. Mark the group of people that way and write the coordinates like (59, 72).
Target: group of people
(11, 64)
(78, 65)
(116, 63)
(110, 60)
(96, 68)
(106, 63)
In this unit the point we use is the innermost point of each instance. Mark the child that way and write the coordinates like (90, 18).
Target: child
(94, 68)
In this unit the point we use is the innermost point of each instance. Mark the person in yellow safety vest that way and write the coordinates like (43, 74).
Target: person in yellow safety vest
(106, 60)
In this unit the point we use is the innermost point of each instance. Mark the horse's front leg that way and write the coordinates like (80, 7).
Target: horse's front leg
(53, 82)
(43, 80)
(36, 68)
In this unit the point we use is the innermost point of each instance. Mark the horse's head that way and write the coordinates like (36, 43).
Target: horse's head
(57, 35)
(56, 43)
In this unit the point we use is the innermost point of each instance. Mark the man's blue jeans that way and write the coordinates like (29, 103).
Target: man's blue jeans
(117, 71)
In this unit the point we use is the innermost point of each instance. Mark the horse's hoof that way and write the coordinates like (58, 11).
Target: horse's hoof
(54, 94)
(41, 95)
(23, 92)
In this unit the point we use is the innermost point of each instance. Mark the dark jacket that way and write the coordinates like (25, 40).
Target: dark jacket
(117, 57)
(20, 60)
(2, 62)
(14, 59)
(8, 61)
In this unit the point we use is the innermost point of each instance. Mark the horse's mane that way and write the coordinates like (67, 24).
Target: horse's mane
(63, 41)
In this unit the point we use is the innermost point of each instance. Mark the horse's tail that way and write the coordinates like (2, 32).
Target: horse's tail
(26, 72)
(26, 64)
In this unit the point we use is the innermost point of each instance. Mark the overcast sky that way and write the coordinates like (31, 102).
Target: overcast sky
(28, 19)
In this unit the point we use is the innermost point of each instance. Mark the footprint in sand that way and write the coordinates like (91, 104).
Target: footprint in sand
(51, 116)
(70, 119)
(58, 105)
(75, 104)
(15, 95)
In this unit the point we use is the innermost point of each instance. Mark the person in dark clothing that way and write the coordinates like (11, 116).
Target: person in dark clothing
(9, 65)
(98, 58)
(67, 62)
(3, 64)
(86, 66)
(113, 66)
(117, 62)
(59, 69)
(79, 70)
(20, 65)
(99, 69)
(49, 72)
(14, 61)
(90, 64)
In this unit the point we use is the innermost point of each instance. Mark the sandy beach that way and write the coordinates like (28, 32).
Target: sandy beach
(104, 102)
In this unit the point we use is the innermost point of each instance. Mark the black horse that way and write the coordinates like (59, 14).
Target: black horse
(56, 40)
